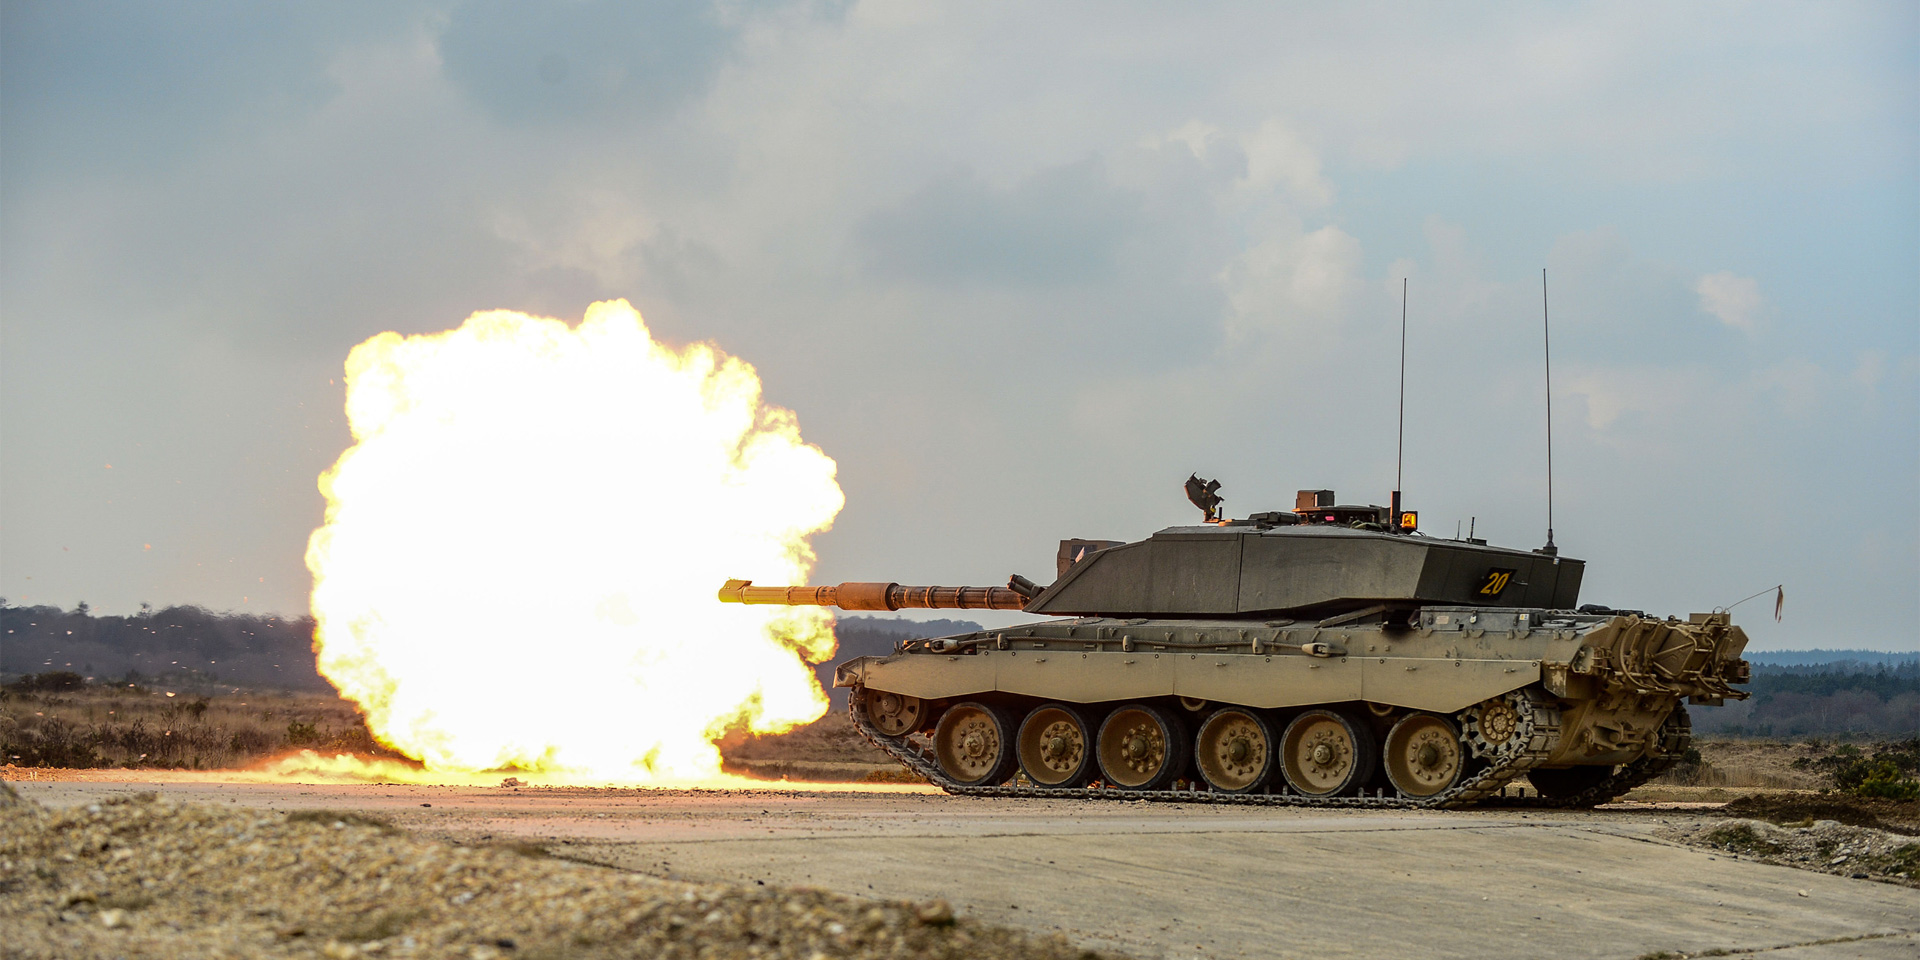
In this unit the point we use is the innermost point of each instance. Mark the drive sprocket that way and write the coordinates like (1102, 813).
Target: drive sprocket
(1498, 728)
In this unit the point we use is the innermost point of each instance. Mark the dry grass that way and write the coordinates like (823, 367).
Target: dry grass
(1764, 764)
(830, 739)
(135, 727)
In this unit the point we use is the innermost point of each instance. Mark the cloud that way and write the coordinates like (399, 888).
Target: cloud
(142, 86)
(1633, 405)
(541, 64)
(1298, 284)
(1273, 159)
(1612, 302)
(1244, 195)
(1734, 299)
(1197, 136)
(594, 231)
(1056, 226)
(1278, 157)
(1871, 369)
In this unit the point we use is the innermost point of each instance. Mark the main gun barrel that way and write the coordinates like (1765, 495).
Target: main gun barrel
(876, 596)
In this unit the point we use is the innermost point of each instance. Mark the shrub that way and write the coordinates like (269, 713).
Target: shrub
(1888, 773)
(1883, 779)
(50, 681)
(50, 742)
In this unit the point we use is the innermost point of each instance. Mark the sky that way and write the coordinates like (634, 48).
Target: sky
(1019, 269)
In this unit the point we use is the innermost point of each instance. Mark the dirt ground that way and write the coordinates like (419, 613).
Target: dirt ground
(1790, 809)
(1153, 880)
(1828, 846)
(145, 876)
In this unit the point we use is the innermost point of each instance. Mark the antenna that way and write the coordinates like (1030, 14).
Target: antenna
(1400, 447)
(1546, 339)
(1779, 592)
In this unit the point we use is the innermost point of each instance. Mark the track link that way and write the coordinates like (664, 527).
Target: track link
(1676, 733)
(1535, 740)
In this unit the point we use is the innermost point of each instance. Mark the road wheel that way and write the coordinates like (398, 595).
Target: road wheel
(1234, 750)
(1056, 746)
(1141, 747)
(1567, 782)
(1325, 753)
(1423, 755)
(893, 713)
(974, 744)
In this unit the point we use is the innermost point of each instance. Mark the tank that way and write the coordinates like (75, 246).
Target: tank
(1328, 655)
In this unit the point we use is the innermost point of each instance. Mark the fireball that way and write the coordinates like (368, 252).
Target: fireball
(519, 558)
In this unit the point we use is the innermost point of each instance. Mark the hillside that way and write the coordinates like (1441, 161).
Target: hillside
(192, 647)
(187, 646)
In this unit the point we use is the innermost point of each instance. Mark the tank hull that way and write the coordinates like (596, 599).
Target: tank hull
(1605, 692)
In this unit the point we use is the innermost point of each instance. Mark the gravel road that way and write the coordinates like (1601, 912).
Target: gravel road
(1166, 880)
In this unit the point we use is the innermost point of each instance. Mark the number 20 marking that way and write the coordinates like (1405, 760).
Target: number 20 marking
(1496, 582)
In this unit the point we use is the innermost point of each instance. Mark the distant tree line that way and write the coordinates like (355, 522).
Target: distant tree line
(1820, 681)
(1830, 661)
(188, 646)
(183, 644)
(1822, 700)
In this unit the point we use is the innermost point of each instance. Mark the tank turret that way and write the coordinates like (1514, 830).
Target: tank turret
(1321, 560)
(1278, 564)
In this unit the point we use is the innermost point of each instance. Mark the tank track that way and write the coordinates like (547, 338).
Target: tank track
(1534, 741)
(1676, 733)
